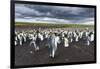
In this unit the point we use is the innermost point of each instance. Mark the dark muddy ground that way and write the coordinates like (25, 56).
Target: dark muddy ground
(76, 52)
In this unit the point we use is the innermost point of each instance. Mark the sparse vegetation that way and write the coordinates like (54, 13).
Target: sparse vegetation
(53, 25)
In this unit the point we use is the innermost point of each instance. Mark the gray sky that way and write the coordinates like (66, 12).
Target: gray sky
(53, 14)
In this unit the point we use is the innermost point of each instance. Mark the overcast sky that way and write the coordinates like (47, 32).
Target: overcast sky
(53, 14)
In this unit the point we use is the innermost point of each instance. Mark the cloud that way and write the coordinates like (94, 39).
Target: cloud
(43, 20)
(25, 11)
(53, 13)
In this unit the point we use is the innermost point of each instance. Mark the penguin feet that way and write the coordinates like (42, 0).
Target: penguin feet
(37, 49)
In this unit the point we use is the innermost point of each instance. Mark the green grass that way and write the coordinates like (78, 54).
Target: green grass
(53, 25)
